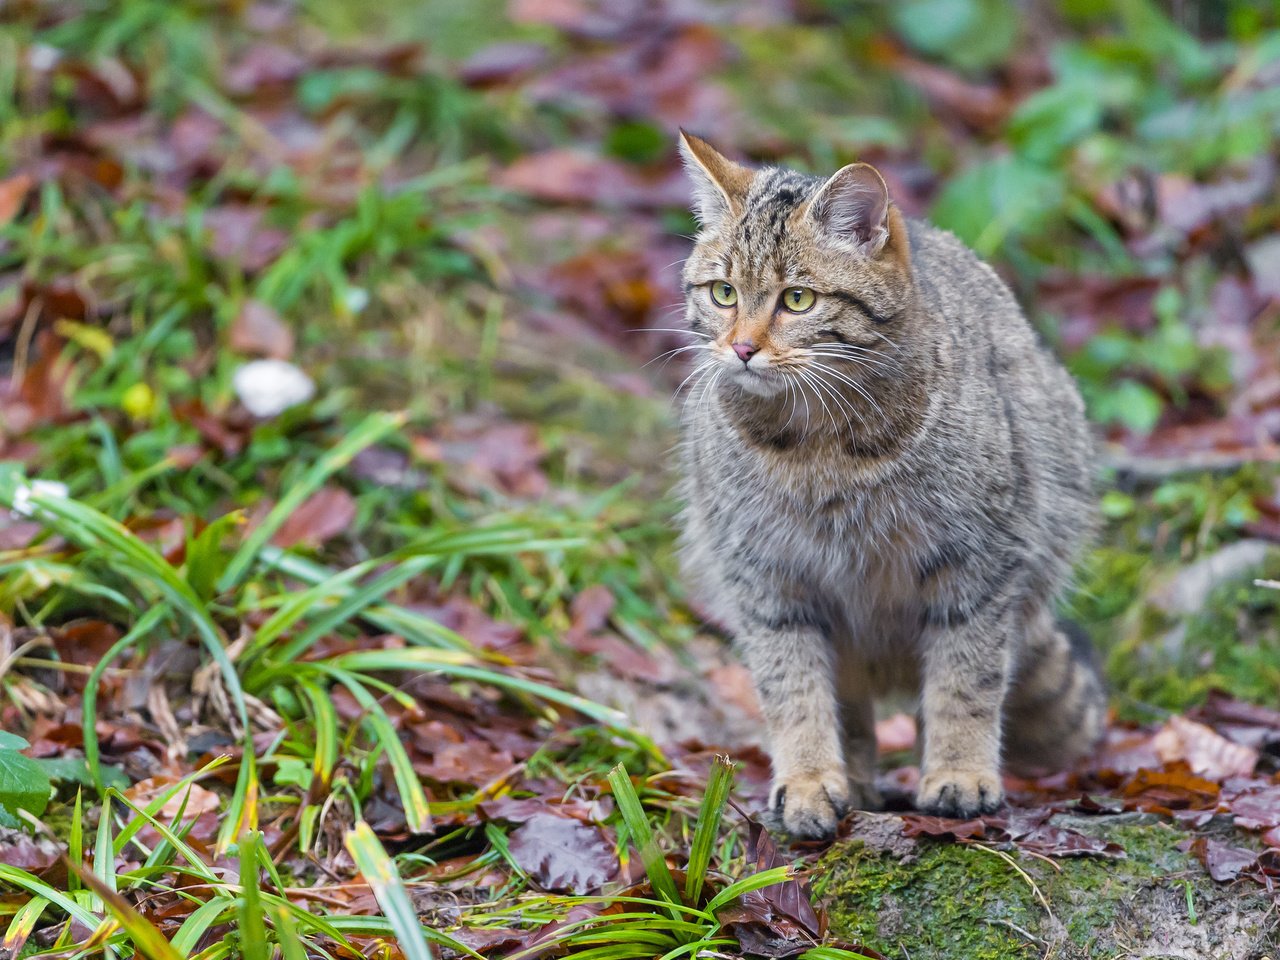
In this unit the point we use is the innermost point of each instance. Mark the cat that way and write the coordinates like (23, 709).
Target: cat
(886, 480)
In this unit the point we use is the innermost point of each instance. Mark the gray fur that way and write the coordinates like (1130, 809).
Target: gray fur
(888, 494)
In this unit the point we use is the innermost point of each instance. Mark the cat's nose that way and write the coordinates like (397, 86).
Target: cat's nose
(745, 350)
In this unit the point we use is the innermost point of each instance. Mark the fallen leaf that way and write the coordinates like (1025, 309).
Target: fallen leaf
(1259, 810)
(323, 515)
(191, 800)
(12, 192)
(1207, 753)
(1223, 861)
(258, 330)
(922, 825)
(563, 855)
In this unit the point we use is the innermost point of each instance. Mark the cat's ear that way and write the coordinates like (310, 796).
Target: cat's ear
(853, 206)
(719, 184)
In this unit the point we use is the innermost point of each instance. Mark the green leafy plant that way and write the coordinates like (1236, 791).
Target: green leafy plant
(24, 785)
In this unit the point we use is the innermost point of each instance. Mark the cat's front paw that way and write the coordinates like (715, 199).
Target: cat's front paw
(810, 807)
(960, 793)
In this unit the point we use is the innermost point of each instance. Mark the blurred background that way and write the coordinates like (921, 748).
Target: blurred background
(304, 290)
(475, 214)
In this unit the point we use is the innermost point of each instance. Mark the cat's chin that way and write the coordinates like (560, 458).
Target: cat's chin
(760, 384)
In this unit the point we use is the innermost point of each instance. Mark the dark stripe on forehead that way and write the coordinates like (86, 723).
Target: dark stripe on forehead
(860, 304)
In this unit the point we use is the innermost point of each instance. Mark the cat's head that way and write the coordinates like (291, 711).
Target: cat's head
(791, 272)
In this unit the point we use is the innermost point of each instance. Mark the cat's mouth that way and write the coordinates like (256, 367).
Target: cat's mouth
(759, 376)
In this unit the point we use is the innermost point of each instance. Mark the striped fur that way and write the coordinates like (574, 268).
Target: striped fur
(887, 494)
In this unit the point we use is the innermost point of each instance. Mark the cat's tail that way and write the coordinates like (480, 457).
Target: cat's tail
(1056, 708)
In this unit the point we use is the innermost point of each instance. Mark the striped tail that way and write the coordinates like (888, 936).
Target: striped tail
(1056, 708)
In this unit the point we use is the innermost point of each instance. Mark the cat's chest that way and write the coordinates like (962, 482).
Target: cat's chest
(833, 522)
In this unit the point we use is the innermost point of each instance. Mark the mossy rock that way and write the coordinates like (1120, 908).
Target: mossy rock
(938, 900)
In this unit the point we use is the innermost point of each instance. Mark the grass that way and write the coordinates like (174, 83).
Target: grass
(124, 285)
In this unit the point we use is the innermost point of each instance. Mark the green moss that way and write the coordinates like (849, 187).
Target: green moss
(961, 901)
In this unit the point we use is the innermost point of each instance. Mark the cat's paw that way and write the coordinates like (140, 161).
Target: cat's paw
(810, 807)
(960, 793)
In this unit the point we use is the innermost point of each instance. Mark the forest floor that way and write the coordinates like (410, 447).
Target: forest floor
(280, 681)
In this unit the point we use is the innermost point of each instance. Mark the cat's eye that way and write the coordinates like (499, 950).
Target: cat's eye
(723, 294)
(798, 299)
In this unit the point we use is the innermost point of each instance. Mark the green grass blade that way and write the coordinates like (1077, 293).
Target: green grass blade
(147, 940)
(253, 929)
(388, 889)
(90, 528)
(655, 865)
(368, 432)
(25, 881)
(757, 881)
(351, 606)
(290, 942)
(416, 812)
(324, 722)
(215, 911)
(719, 783)
(143, 628)
(452, 664)
(22, 924)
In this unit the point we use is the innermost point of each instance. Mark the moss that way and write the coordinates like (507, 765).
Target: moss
(946, 903)
(956, 900)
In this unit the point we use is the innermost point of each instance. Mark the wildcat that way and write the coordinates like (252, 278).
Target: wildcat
(886, 479)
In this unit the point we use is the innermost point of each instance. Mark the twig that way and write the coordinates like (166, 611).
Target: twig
(1022, 873)
(1013, 926)
(1269, 584)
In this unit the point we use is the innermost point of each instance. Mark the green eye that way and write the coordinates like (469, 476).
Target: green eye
(723, 294)
(798, 299)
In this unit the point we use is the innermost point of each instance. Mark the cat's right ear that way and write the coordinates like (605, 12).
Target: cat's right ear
(719, 184)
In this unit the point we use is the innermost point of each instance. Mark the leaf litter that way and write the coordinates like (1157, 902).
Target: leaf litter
(495, 760)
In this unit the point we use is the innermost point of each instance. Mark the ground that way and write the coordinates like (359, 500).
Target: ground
(403, 657)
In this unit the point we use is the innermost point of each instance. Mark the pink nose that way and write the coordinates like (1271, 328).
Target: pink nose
(745, 351)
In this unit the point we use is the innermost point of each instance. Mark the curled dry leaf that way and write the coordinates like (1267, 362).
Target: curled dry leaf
(1206, 752)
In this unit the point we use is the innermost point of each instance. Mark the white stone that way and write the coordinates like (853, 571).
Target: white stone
(269, 387)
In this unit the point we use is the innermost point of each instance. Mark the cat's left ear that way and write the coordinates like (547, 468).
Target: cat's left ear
(853, 206)
(719, 184)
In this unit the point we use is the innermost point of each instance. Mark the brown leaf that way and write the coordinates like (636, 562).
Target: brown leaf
(239, 233)
(564, 175)
(922, 825)
(1223, 861)
(258, 330)
(1207, 753)
(563, 855)
(1259, 810)
(12, 192)
(323, 515)
(502, 63)
(1165, 791)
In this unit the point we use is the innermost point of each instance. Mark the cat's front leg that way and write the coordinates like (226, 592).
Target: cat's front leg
(790, 662)
(966, 665)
